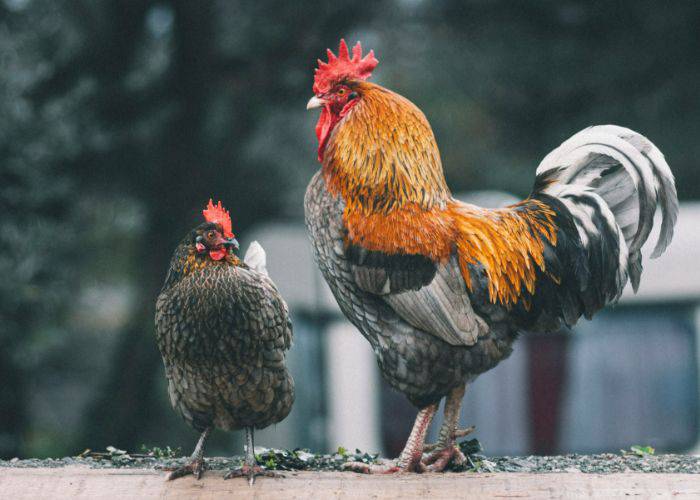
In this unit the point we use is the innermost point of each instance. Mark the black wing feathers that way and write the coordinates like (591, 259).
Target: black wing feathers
(380, 273)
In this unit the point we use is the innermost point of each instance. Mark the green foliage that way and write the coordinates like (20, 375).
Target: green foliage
(638, 450)
(302, 459)
(270, 458)
(159, 453)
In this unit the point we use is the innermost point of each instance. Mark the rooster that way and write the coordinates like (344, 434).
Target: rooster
(441, 288)
(223, 329)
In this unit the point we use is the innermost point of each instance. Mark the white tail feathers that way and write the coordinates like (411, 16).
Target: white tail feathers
(255, 258)
(631, 176)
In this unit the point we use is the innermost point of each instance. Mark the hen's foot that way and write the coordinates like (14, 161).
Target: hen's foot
(195, 467)
(439, 459)
(251, 472)
(385, 467)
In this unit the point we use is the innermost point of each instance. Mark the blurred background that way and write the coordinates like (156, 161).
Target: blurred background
(119, 119)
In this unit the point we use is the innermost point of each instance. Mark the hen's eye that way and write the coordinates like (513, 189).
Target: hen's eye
(210, 235)
(341, 91)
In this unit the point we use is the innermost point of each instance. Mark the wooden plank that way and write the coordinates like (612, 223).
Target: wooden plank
(82, 482)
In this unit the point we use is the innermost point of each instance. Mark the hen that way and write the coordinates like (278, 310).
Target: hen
(223, 330)
(440, 288)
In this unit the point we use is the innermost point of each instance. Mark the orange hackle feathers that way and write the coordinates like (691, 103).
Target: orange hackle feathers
(408, 230)
(217, 214)
(343, 67)
(508, 243)
(397, 201)
(393, 163)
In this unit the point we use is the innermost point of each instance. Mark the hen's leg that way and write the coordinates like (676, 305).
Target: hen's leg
(410, 458)
(446, 449)
(250, 467)
(196, 465)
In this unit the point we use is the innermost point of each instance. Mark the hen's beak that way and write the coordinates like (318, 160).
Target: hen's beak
(232, 242)
(314, 102)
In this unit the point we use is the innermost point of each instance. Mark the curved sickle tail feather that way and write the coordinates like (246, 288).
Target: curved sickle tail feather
(610, 180)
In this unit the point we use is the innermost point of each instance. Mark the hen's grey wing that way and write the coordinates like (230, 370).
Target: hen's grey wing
(190, 392)
(262, 391)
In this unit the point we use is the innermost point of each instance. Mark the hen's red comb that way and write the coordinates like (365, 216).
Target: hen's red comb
(218, 215)
(342, 67)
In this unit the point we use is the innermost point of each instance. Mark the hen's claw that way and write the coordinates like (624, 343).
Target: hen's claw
(251, 472)
(195, 467)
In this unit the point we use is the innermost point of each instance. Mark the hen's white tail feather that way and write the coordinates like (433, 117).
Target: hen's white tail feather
(255, 258)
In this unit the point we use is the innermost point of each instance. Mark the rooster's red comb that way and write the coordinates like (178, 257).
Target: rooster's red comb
(218, 215)
(343, 67)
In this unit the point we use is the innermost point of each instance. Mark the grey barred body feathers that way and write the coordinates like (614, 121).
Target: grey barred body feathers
(223, 331)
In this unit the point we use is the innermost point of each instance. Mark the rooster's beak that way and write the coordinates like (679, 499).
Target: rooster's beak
(314, 102)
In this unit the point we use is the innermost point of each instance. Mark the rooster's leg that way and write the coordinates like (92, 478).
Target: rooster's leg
(410, 458)
(250, 467)
(196, 465)
(446, 449)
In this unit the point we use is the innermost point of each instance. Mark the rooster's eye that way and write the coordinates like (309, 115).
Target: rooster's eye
(341, 91)
(210, 235)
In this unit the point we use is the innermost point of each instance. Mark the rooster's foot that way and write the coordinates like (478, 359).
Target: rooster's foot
(251, 472)
(195, 467)
(459, 433)
(439, 459)
(385, 467)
